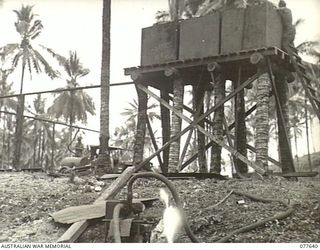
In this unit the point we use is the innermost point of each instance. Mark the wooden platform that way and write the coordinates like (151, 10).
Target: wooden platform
(194, 71)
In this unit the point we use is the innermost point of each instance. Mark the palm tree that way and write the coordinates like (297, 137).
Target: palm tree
(24, 54)
(72, 105)
(132, 114)
(5, 105)
(105, 86)
(40, 133)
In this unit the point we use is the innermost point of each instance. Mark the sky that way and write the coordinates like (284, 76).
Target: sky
(77, 25)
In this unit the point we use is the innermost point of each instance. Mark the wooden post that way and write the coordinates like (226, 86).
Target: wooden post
(240, 125)
(217, 125)
(280, 89)
(201, 140)
(53, 145)
(140, 135)
(165, 124)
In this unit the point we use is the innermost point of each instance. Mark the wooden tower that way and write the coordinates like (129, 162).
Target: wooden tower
(239, 45)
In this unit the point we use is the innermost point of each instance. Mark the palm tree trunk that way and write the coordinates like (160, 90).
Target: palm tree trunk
(19, 127)
(296, 144)
(140, 135)
(104, 153)
(262, 121)
(18, 133)
(219, 94)
(174, 153)
(307, 133)
(3, 142)
(35, 143)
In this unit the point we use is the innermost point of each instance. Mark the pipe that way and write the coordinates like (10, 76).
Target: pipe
(174, 195)
(116, 222)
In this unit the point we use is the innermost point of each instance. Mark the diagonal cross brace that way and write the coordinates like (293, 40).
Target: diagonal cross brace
(202, 130)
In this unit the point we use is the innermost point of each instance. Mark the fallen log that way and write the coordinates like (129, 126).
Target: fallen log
(279, 216)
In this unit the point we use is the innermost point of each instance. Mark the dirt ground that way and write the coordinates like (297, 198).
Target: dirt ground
(27, 199)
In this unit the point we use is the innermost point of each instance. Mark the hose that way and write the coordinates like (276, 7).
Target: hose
(116, 222)
(174, 195)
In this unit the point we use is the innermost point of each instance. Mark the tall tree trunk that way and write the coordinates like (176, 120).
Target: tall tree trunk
(35, 143)
(3, 156)
(286, 159)
(140, 135)
(19, 121)
(174, 153)
(105, 86)
(198, 94)
(262, 121)
(219, 94)
(307, 132)
(18, 133)
(296, 144)
(43, 144)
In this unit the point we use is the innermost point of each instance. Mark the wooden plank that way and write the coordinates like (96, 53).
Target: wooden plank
(199, 37)
(203, 61)
(232, 30)
(74, 232)
(159, 43)
(109, 176)
(86, 212)
(78, 228)
(78, 213)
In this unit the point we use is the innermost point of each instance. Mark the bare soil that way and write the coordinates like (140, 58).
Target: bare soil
(27, 199)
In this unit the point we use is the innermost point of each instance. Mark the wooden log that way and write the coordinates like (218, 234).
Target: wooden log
(74, 161)
(170, 72)
(213, 67)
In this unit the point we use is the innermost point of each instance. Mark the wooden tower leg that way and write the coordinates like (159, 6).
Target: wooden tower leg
(198, 93)
(240, 126)
(280, 89)
(141, 127)
(219, 94)
(178, 92)
(165, 124)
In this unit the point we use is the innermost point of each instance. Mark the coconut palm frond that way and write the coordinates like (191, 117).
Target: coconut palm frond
(25, 13)
(307, 47)
(35, 29)
(47, 68)
(299, 22)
